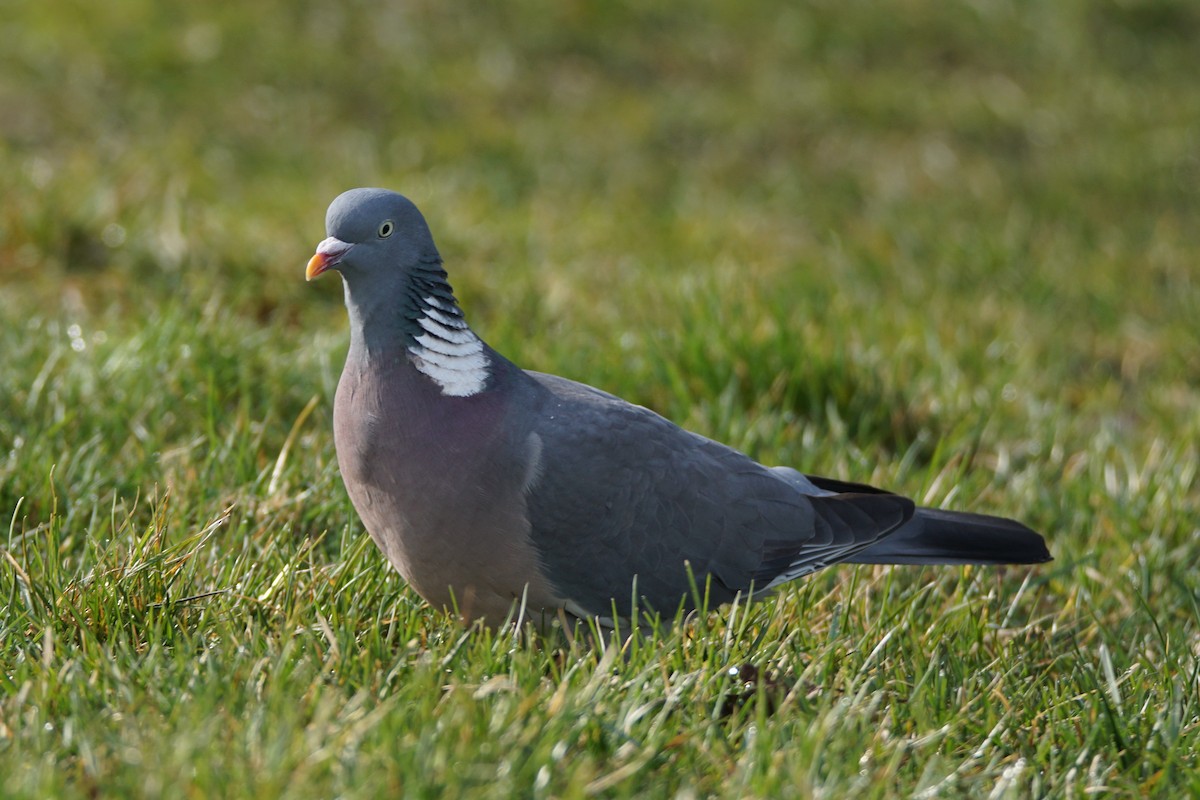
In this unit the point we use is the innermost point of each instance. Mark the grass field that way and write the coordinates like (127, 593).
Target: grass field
(949, 248)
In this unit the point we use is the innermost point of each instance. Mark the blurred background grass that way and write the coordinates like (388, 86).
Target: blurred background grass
(951, 247)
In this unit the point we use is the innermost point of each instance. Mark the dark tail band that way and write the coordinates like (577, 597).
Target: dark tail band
(934, 536)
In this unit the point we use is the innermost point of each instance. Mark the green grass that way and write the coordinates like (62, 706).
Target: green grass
(948, 248)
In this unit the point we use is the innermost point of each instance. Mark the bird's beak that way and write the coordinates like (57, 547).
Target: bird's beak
(329, 253)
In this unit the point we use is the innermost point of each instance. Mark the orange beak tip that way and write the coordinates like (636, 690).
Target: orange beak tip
(316, 265)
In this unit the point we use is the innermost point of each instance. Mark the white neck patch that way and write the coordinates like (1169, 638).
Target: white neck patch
(449, 352)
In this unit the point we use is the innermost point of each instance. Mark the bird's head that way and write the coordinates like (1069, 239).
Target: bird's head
(373, 236)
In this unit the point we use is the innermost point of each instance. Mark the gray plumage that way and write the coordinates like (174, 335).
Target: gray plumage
(486, 485)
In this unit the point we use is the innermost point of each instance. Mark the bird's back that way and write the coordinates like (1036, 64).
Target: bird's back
(622, 492)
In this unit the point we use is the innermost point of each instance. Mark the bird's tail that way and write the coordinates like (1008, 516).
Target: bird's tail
(934, 536)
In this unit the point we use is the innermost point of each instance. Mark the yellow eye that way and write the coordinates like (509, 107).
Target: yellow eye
(385, 229)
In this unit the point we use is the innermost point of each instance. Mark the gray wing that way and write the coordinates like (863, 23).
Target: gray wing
(623, 494)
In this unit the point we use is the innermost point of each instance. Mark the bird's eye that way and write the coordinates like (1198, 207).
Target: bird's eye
(385, 229)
